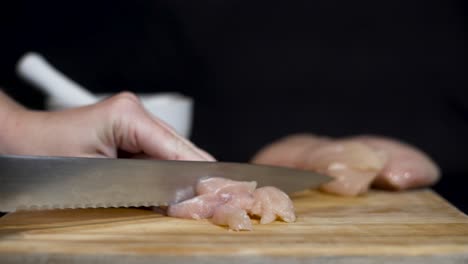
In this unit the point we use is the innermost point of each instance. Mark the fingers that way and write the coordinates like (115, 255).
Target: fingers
(135, 130)
(155, 138)
(181, 138)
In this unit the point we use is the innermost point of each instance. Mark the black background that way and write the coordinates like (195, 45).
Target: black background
(260, 70)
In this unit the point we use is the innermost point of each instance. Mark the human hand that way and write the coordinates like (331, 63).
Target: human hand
(99, 130)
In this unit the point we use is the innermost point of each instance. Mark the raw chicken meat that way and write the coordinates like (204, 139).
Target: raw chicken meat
(241, 200)
(355, 162)
(230, 202)
(199, 207)
(353, 165)
(289, 151)
(271, 203)
(217, 185)
(407, 167)
(232, 216)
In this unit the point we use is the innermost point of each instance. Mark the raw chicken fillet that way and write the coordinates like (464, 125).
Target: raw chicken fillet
(407, 167)
(356, 163)
(229, 203)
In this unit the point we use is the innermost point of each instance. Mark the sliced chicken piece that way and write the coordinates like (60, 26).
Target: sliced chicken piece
(233, 213)
(407, 167)
(271, 203)
(227, 203)
(241, 200)
(199, 207)
(234, 217)
(222, 185)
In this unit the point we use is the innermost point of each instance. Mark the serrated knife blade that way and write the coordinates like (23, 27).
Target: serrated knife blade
(40, 182)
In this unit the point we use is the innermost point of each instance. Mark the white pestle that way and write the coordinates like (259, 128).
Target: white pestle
(174, 108)
(34, 69)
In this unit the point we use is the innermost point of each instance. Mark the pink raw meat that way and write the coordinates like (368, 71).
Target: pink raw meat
(198, 207)
(227, 202)
(271, 203)
(355, 162)
(232, 216)
(289, 151)
(407, 167)
(353, 165)
(222, 185)
(241, 200)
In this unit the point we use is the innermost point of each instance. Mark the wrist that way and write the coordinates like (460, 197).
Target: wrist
(12, 123)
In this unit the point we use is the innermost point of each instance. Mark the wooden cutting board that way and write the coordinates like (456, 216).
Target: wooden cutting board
(381, 227)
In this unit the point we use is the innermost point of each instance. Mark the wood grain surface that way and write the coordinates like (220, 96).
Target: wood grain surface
(380, 227)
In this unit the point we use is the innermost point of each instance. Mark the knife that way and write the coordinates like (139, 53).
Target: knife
(41, 182)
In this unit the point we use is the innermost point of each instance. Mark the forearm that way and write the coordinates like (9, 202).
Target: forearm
(9, 111)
